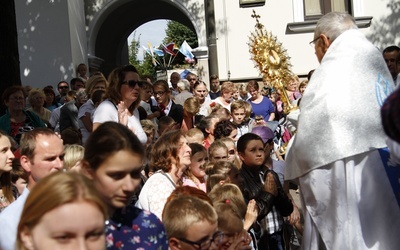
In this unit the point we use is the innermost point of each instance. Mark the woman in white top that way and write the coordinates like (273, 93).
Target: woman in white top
(170, 157)
(200, 92)
(121, 101)
(225, 100)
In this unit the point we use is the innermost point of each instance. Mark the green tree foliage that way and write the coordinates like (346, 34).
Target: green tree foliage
(134, 50)
(177, 33)
(145, 67)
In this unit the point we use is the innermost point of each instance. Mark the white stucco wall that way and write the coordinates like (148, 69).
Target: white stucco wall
(232, 42)
(50, 40)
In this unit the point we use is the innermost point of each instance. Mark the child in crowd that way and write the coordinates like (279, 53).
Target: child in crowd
(231, 209)
(191, 223)
(217, 151)
(236, 92)
(225, 128)
(240, 112)
(229, 191)
(194, 135)
(73, 157)
(222, 172)
(19, 177)
(149, 104)
(207, 125)
(166, 123)
(113, 160)
(262, 185)
(221, 112)
(232, 152)
(195, 175)
(149, 129)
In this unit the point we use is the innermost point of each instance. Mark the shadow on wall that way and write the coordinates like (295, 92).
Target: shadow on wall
(385, 32)
(41, 62)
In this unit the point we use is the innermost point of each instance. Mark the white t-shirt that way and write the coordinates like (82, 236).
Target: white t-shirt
(107, 111)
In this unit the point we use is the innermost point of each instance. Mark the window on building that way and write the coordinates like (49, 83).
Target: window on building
(314, 9)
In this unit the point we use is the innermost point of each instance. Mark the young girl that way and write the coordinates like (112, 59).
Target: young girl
(232, 192)
(207, 125)
(63, 211)
(217, 152)
(232, 152)
(113, 160)
(73, 157)
(6, 158)
(194, 175)
(222, 172)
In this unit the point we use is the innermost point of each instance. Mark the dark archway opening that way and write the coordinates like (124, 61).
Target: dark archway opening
(111, 40)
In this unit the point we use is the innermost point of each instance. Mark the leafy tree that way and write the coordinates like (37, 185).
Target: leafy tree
(134, 50)
(145, 67)
(177, 33)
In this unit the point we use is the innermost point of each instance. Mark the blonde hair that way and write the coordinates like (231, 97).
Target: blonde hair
(215, 146)
(34, 92)
(73, 154)
(218, 171)
(230, 206)
(92, 81)
(193, 132)
(231, 192)
(52, 192)
(183, 211)
(242, 104)
(191, 105)
(227, 86)
(227, 140)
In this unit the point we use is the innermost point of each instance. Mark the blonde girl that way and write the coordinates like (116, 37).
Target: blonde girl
(194, 176)
(217, 151)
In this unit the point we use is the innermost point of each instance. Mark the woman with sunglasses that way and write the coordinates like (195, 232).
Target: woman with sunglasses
(121, 101)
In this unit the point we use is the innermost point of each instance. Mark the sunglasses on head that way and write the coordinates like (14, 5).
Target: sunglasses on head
(132, 83)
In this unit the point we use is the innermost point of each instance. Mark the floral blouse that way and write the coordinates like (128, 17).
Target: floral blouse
(133, 228)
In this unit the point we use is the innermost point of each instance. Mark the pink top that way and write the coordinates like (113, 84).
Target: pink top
(189, 182)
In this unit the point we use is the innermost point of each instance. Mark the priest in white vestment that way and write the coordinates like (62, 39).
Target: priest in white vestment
(347, 199)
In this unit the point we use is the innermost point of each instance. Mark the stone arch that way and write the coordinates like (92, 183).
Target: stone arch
(109, 29)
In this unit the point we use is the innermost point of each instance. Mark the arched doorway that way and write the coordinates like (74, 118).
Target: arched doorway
(110, 27)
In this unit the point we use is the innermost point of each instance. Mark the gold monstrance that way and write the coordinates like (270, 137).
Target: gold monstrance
(271, 59)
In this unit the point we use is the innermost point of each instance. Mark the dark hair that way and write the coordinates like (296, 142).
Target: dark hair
(107, 139)
(115, 80)
(391, 49)
(213, 77)
(245, 139)
(11, 90)
(197, 83)
(98, 96)
(252, 84)
(49, 90)
(223, 129)
(75, 80)
(58, 85)
(205, 124)
(197, 148)
(163, 84)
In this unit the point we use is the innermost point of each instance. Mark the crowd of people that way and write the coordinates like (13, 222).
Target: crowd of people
(122, 162)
